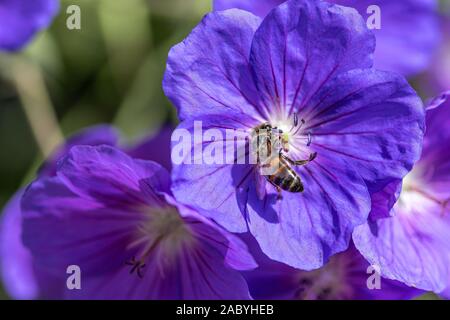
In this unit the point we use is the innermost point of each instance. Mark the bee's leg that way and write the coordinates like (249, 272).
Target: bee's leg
(279, 194)
(312, 156)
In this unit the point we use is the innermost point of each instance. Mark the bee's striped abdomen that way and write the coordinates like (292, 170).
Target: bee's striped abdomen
(286, 178)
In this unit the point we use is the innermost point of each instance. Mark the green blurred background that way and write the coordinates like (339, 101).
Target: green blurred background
(110, 71)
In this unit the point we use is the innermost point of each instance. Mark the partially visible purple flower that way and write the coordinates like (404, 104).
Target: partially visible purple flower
(347, 276)
(115, 218)
(309, 58)
(21, 277)
(413, 246)
(20, 20)
(406, 41)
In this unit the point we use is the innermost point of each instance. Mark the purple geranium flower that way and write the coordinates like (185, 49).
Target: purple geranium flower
(406, 38)
(21, 277)
(413, 246)
(347, 276)
(307, 60)
(21, 19)
(115, 218)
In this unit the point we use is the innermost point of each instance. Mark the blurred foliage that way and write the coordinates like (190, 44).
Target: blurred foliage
(110, 71)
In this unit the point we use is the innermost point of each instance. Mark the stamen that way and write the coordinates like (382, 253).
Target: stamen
(442, 203)
(163, 230)
(295, 122)
(309, 139)
(299, 127)
(137, 266)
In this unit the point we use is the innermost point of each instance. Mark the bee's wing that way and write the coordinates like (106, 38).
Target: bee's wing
(260, 185)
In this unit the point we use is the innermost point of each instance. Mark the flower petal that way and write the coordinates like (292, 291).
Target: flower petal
(200, 79)
(446, 293)
(438, 122)
(400, 47)
(307, 228)
(62, 228)
(410, 247)
(107, 174)
(21, 19)
(346, 275)
(223, 181)
(408, 34)
(384, 200)
(236, 254)
(16, 262)
(301, 45)
(21, 277)
(199, 275)
(373, 119)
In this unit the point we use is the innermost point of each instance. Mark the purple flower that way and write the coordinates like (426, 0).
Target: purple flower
(114, 217)
(413, 246)
(20, 20)
(307, 60)
(407, 36)
(347, 276)
(21, 277)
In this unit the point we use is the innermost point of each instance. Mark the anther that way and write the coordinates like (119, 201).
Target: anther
(137, 265)
(309, 139)
(295, 119)
(299, 127)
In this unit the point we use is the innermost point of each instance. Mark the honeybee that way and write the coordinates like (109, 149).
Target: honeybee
(271, 145)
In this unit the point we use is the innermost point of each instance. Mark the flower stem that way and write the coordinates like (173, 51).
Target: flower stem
(32, 91)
